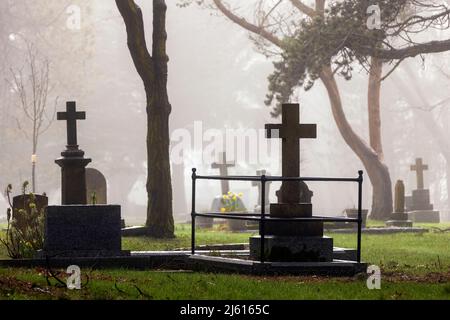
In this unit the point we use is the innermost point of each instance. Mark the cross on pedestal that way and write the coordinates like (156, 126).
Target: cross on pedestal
(419, 167)
(258, 184)
(223, 166)
(72, 161)
(290, 131)
(71, 116)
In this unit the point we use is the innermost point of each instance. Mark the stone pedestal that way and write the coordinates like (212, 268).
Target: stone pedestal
(399, 220)
(294, 241)
(73, 176)
(83, 231)
(421, 200)
(293, 249)
(427, 216)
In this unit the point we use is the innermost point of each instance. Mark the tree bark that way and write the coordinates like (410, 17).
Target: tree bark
(377, 171)
(154, 72)
(373, 104)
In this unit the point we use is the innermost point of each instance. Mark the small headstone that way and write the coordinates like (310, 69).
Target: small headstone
(223, 166)
(420, 208)
(96, 187)
(399, 218)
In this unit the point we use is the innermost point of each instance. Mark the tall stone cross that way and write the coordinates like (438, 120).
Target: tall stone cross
(258, 184)
(72, 161)
(419, 167)
(71, 116)
(290, 131)
(223, 166)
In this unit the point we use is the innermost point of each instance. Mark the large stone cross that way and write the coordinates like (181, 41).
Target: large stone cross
(258, 184)
(71, 116)
(290, 131)
(223, 166)
(419, 167)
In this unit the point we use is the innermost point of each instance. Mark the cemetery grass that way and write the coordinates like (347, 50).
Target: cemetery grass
(413, 267)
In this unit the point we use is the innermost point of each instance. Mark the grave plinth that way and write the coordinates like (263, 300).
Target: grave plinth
(83, 231)
(419, 205)
(293, 241)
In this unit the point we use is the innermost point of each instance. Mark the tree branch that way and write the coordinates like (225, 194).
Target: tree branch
(259, 30)
(310, 12)
(132, 16)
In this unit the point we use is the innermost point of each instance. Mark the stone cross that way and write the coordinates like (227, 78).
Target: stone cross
(419, 167)
(258, 184)
(290, 131)
(71, 116)
(223, 166)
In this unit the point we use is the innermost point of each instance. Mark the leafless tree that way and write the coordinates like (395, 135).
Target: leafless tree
(31, 86)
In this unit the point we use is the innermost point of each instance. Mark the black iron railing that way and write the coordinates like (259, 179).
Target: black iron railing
(262, 217)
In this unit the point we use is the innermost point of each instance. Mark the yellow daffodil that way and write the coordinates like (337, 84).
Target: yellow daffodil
(225, 197)
(240, 194)
(223, 210)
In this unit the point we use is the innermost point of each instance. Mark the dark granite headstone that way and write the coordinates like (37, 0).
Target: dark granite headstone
(79, 230)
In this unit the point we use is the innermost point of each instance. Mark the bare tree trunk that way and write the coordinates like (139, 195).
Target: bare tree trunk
(373, 104)
(377, 171)
(153, 71)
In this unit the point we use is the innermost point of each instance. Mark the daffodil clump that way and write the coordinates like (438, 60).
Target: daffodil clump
(232, 202)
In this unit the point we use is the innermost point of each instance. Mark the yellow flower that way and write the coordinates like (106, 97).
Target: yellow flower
(240, 194)
(225, 197)
(223, 210)
(234, 198)
(230, 193)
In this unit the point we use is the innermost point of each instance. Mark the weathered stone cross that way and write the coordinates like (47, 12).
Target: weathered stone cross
(71, 116)
(258, 184)
(290, 131)
(223, 166)
(419, 167)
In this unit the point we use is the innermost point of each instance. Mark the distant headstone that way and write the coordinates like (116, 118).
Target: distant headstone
(223, 166)
(258, 185)
(292, 241)
(399, 218)
(96, 187)
(420, 207)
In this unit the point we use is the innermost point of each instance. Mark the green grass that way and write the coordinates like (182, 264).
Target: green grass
(413, 267)
(125, 284)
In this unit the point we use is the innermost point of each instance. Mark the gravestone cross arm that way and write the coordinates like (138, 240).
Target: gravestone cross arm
(419, 167)
(290, 131)
(71, 115)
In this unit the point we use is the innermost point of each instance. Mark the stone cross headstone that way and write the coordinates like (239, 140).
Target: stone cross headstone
(96, 187)
(293, 241)
(258, 184)
(419, 167)
(72, 162)
(223, 166)
(290, 131)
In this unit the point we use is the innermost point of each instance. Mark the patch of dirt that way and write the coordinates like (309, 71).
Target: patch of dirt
(10, 286)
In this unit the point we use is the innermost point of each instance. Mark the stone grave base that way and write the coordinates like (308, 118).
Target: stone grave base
(290, 249)
(77, 230)
(229, 258)
(81, 253)
(399, 223)
(429, 216)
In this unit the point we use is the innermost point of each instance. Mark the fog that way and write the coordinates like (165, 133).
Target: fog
(217, 80)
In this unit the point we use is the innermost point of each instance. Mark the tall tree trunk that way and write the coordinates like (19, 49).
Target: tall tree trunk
(376, 170)
(153, 71)
(373, 104)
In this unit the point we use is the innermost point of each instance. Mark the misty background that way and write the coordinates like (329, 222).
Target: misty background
(217, 77)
